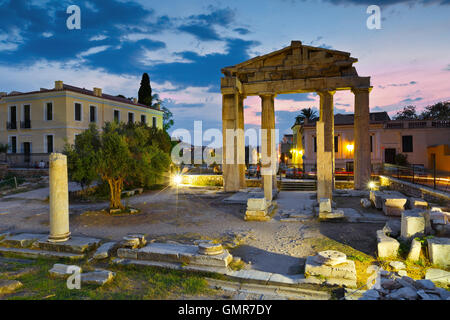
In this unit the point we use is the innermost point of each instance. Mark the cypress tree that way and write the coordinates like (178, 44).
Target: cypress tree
(145, 91)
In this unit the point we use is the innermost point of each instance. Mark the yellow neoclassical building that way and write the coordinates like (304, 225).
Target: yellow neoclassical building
(36, 123)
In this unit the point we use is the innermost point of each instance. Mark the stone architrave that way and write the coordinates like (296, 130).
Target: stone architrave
(59, 198)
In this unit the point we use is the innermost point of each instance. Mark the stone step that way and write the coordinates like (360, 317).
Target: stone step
(75, 244)
(30, 253)
(22, 240)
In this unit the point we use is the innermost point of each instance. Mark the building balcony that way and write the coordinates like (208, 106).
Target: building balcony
(11, 125)
(25, 124)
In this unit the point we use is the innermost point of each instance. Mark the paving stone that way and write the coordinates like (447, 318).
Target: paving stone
(371, 294)
(9, 286)
(132, 242)
(331, 257)
(392, 228)
(34, 254)
(98, 277)
(438, 276)
(439, 251)
(387, 246)
(75, 244)
(63, 270)
(402, 273)
(105, 250)
(365, 203)
(127, 253)
(22, 240)
(345, 270)
(336, 214)
(397, 265)
(251, 275)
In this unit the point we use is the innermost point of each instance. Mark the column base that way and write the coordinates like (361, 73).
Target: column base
(59, 237)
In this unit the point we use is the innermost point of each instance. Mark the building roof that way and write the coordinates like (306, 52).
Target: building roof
(84, 91)
(348, 119)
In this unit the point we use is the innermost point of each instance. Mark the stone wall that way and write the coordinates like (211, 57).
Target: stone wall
(415, 190)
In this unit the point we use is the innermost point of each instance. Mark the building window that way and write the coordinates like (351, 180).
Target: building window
(12, 118)
(371, 143)
(93, 114)
(315, 144)
(117, 116)
(336, 143)
(407, 143)
(143, 119)
(48, 111)
(130, 117)
(49, 143)
(154, 122)
(13, 144)
(78, 112)
(26, 116)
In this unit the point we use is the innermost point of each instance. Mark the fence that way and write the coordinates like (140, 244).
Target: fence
(417, 174)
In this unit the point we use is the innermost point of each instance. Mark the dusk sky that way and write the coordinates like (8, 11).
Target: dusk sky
(183, 45)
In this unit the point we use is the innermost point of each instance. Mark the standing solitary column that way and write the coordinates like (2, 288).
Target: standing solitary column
(268, 152)
(362, 166)
(59, 199)
(230, 166)
(241, 141)
(325, 146)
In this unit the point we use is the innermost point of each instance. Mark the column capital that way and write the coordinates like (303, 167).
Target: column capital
(267, 94)
(326, 91)
(356, 90)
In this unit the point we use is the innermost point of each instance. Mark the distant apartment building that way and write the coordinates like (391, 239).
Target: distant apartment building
(424, 142)
(35, 124)
(285, 149)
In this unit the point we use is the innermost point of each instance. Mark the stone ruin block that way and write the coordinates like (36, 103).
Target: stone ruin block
(439, 251)
(413, 224)
(325, 205)
(387, 246)
(392, 211)
(255, 204)
(417, 203)
(414, 252)
(365, 203)
(258, 209)
(377, 199)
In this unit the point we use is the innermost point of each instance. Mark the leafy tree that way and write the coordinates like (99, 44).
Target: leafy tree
(408, 113)
(145, 91)
(401, 159)
(167, 118)
(438, 111)
(82, 155)
(306, 113)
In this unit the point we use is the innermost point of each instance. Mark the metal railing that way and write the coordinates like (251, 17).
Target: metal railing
(11, 125)
(25, 124)
(417, 174)
(416, 124)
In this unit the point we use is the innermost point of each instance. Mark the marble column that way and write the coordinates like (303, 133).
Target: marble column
(325, 146)
(362, 165)
(233, 162)
(59, 198)
(268, 150)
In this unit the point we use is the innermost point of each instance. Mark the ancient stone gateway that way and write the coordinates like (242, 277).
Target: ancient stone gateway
(294, 69)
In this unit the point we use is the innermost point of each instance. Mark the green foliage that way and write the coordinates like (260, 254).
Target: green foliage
(167, 118)
(145, 91)
(122, 154)
(423, 240)
(401, 159)
(81, 157)
(408, 113)
(438, 111)
(306, 113)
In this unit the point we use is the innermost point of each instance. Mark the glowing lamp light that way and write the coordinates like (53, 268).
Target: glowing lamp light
(350, 147)
(301, 152)
(177, 179)
(372, 185)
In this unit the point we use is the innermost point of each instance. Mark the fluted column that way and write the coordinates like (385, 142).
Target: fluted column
(241, 142)
(362, 165)
(325, 146)
(268, 150)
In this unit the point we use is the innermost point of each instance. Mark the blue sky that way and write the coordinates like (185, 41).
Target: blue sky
(184, 44)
